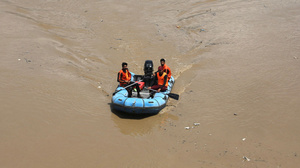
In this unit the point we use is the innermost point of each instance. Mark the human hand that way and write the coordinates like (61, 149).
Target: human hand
(158, 90)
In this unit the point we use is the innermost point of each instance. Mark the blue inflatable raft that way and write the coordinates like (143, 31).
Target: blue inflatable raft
(144, 105)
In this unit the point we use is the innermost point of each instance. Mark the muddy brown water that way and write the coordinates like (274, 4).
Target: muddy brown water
(236, 65)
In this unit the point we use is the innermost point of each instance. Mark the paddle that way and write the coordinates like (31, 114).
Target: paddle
(171, 95)
(126, 87)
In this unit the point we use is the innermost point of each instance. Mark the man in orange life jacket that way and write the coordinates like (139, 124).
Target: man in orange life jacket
(124, 77)
(166, 69)
(162, 80)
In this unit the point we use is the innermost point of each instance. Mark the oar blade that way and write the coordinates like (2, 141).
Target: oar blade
(174, 96)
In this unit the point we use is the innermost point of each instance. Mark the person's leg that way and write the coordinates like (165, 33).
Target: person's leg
(164, 88)
(138, 90)
(129, 89)
(136, 85)
(155, 87)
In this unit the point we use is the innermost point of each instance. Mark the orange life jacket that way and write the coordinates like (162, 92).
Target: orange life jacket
(161, 79)
(124, 77)
(165, 67)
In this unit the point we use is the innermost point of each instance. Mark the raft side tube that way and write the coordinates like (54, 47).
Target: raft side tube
(151, 103)
(119, 100)
(134, 102)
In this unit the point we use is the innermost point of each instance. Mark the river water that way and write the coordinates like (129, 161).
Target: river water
(236, 65)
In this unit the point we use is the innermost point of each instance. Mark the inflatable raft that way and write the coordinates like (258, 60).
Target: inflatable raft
(147, 104)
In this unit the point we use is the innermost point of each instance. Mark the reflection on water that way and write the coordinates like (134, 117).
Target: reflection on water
(140, 124)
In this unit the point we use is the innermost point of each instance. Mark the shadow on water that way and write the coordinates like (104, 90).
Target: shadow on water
(124, 115)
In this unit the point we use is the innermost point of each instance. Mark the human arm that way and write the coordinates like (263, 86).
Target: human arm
(119, 77)
(168, 72)
(129, 76)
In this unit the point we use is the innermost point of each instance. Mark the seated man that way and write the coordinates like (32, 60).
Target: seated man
(124, 77)
(166, 69)
(162, 80)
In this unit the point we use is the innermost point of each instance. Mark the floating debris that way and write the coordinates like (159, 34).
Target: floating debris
(196, 124)
(99, 87)
(235, 114)
(244, 139)
(244, 157)
(19, 59)
(27, 60)
(187, 128)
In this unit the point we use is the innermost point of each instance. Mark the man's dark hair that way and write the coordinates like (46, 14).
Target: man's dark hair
(162, 60)
(124, 63)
